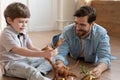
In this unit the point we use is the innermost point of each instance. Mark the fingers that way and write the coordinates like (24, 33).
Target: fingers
(54, 52)
(71, 78)
(61, 65)
(96, 72)
(51, 53)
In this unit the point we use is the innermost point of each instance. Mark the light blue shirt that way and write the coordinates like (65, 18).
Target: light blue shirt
(96, 45)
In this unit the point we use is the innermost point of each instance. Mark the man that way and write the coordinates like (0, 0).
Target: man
(86, 40)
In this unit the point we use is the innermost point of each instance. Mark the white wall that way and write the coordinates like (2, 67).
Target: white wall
(43, 14)
(66, 9)
(51, 14)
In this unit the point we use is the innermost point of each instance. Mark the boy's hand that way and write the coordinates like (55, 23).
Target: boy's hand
(51, 53)
(54, 52)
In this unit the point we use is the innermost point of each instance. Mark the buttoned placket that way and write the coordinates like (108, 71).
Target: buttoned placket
(82, 48)
(21, 37)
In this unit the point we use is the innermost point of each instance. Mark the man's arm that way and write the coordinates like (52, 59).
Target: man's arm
(97, 71)
(31, 53)
(104, 56)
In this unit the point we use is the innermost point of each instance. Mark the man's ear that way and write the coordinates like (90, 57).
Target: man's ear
(9, 20)
(92, 23)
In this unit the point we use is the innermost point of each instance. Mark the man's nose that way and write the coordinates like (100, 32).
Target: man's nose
(78, 27)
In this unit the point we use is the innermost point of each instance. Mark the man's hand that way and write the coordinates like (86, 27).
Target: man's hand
(97, 71)
(60, 63)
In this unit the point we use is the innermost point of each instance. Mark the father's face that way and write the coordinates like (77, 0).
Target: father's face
(82, 26)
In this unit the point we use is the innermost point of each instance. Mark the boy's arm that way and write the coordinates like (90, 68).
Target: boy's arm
(31, 53)
(32, 47)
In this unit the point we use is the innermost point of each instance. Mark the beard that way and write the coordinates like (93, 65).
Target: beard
(81, 33)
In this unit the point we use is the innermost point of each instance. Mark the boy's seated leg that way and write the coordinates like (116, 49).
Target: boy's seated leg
(24, 70)
(44, 67)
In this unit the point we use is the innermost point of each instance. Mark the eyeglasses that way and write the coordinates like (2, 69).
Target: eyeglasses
(80, 25)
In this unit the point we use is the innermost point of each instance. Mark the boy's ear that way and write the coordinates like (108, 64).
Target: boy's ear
(9, 20)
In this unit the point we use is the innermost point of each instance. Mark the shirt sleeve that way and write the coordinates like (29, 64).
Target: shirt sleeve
(8, 41)
(63, 49)
(103, 50)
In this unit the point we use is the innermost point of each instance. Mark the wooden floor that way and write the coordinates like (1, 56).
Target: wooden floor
(40, 39)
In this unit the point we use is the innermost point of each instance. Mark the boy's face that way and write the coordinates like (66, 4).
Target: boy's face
(18, 24)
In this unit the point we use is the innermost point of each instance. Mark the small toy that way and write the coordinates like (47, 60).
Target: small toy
(87, 74)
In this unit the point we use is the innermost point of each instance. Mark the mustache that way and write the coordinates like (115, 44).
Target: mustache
(81, 30)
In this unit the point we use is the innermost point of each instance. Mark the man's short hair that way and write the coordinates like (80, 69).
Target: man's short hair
(86, 11)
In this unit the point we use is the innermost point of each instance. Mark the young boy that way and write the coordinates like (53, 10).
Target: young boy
(16, 46)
